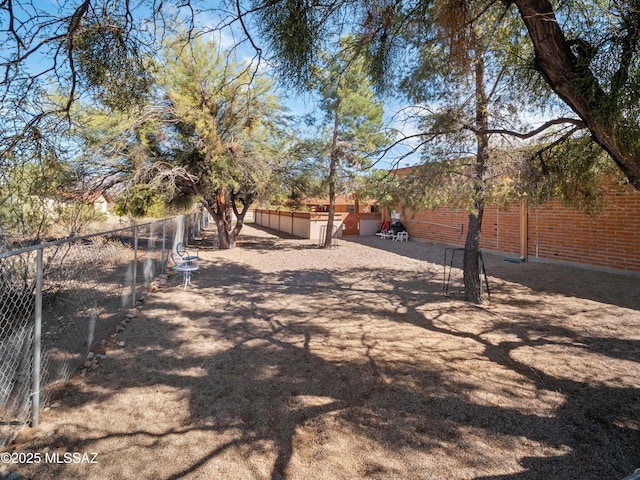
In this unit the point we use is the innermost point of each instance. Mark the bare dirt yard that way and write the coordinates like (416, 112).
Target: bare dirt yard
(286, 361)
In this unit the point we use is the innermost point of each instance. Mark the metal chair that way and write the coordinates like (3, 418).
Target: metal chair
(184, 267)
(401, 237)
(181, 250)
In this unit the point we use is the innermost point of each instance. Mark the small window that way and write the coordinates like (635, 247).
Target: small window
(351, 208)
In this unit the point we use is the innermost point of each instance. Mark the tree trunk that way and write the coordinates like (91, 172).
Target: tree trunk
(220, 211)
(246, 200)
(223, 211)
(471, 261)
(574, 82)
(333, 166)
(225, 240)
(332, 204)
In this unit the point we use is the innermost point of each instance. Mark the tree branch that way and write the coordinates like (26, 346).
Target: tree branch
(558, 121)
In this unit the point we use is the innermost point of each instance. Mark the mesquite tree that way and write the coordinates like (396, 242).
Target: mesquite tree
(212, 132)
(226, 126)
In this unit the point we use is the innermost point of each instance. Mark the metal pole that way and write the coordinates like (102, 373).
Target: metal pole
(37, 342)
(164, 243)
(135, 266)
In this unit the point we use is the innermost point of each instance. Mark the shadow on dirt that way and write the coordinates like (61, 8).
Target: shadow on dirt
(285, 369)
(599, 286)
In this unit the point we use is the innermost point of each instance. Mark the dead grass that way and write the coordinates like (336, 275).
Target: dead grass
(288, 361)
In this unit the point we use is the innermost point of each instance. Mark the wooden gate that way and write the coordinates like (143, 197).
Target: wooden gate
(351, 224)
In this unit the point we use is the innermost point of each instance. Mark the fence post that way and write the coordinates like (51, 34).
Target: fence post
(164, 243)
(37, 342)
(135, 266)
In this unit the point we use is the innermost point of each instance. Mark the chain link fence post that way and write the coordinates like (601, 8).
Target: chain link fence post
(135, 267)
(164, 245)
(37, 341)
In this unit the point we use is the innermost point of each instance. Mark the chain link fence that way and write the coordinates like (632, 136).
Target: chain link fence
(58, 299)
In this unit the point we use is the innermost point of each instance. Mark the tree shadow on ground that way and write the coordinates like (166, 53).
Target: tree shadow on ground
(587, 283)
(269, 359)
(597, 421)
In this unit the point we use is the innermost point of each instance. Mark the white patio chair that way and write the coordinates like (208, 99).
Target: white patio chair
(184, 267)
(181, 250)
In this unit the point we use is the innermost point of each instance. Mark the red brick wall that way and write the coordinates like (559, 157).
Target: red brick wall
(445, 225)
(554, 231)
(501, 229)
(608, 239)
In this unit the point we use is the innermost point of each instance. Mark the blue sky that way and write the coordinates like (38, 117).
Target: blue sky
(300, 103)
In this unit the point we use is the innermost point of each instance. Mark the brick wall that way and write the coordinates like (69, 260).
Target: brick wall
(551, 231)
(608, 239)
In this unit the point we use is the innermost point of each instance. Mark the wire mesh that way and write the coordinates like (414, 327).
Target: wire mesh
(87, 282)
(16, 337)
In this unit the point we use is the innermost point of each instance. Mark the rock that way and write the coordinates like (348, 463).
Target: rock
(90, 355)
(87, 364)
(120, 344)
(55, 405)
(25, 435)
(119, 328)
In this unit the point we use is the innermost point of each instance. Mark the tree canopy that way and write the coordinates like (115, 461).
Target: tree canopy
(212, 131)
(103, 51)
(353, 118)
(586, 53)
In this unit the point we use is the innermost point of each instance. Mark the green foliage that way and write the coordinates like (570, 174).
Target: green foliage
(223, 124)
(576, 171)
(213, 133)
(293, 29)
(353, 116)
(142, 201)
(302, 175)
(72, 217)
(111, 62)
(432, 46)
(42, 198)
(383, 186)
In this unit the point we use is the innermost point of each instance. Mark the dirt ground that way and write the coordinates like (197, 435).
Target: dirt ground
(289, 361)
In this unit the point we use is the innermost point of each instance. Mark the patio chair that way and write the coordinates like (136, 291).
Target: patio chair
(385, 230)
(184, 267)
(181, 250)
